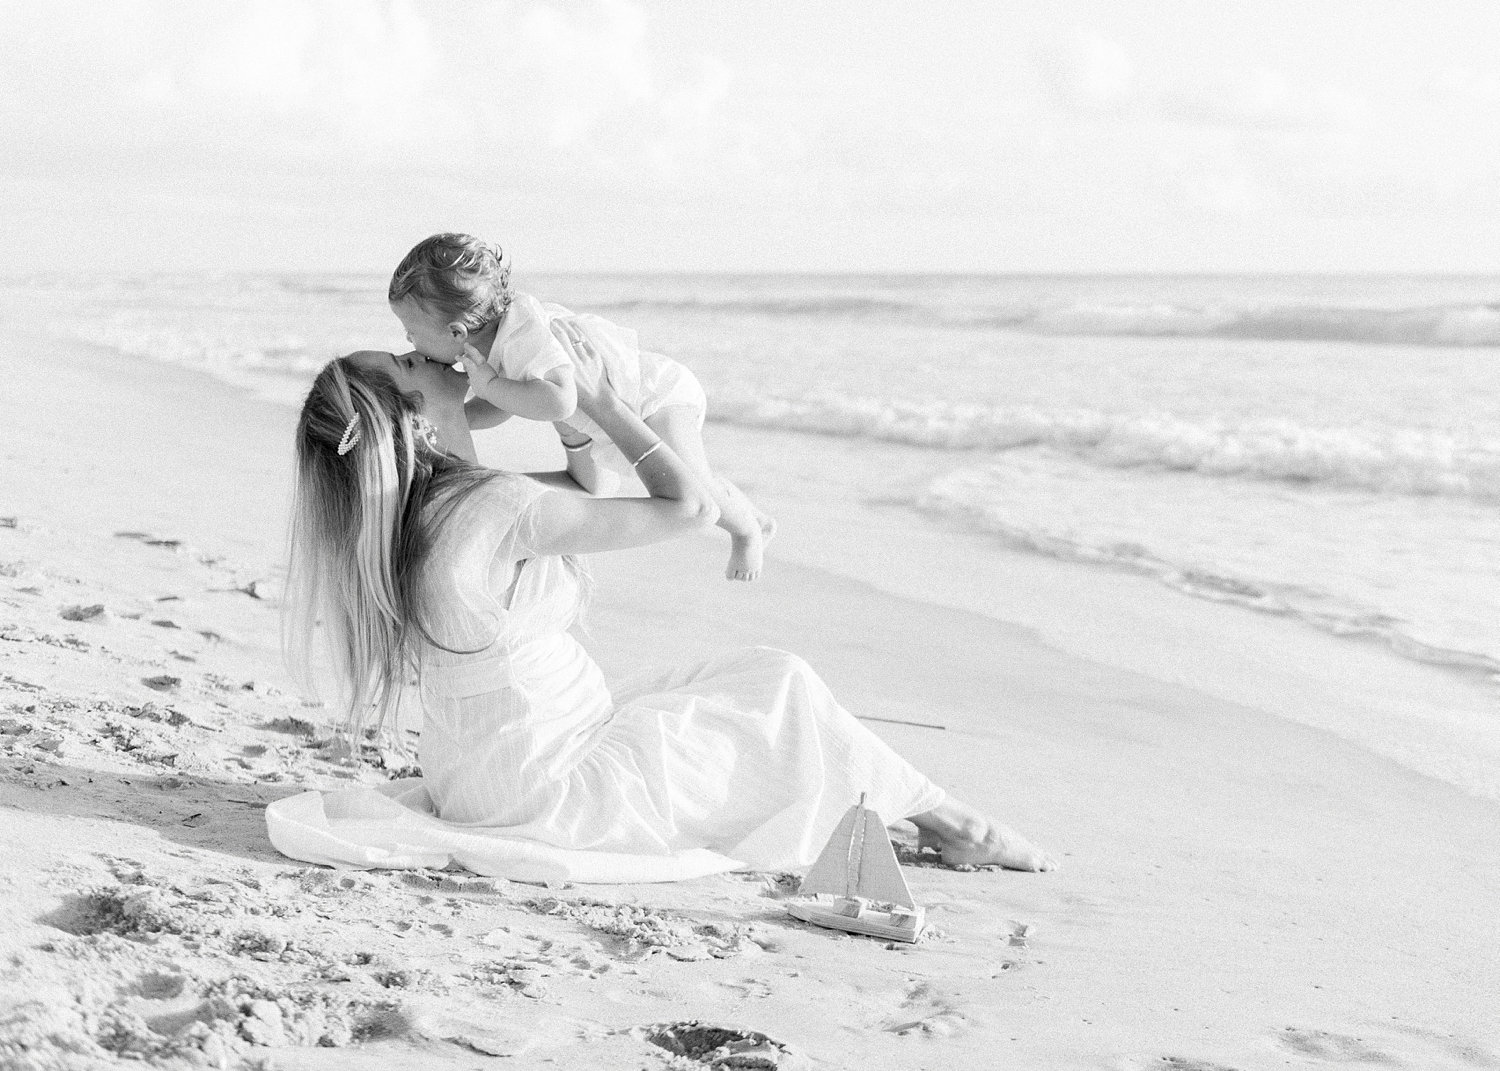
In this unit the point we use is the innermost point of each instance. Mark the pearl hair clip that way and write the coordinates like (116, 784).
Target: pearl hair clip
(351, 436)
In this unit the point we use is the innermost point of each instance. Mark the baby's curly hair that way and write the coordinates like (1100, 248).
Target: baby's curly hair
(456, 275)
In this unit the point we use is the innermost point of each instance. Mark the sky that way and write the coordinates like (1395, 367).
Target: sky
(762, 135)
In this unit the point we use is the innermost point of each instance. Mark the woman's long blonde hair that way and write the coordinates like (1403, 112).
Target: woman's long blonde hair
(361, 529)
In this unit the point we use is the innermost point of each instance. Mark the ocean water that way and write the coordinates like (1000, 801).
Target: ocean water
(1321, 448)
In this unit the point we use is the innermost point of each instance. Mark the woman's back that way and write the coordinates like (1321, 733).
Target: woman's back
(484, 588)
(513, 690)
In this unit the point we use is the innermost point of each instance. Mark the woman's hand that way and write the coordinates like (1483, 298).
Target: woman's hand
(589, 378)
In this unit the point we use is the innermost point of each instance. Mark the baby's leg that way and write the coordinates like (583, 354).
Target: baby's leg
(748, 528)
(582, 466)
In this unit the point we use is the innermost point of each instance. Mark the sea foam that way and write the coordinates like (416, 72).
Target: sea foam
(1291, 579)
(1389, 460)
(1456, 324)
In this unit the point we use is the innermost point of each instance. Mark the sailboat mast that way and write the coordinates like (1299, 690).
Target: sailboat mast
(856, 855)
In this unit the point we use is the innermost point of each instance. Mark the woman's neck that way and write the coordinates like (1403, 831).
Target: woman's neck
(452, 429)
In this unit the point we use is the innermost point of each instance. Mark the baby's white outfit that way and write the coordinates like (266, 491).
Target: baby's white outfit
(525, 348)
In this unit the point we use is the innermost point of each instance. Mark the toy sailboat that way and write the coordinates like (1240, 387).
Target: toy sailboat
(859, 867)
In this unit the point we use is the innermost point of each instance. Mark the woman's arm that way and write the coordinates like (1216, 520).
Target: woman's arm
(679, 502)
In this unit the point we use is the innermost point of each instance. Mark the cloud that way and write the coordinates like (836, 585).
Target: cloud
(1259, 98)
(614, 126)
(144, 77)
(1263, 134)
(1088, 73)
(439, 86)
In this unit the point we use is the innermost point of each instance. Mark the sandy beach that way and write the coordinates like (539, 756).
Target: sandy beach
(1239, 890)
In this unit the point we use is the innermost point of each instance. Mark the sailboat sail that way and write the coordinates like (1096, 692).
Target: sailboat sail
(859, 862)
(830, 873)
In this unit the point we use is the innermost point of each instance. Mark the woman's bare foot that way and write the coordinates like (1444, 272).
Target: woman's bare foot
(996, 845)
(999, 845)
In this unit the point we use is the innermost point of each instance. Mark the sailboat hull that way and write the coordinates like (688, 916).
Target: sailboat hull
(858, 916)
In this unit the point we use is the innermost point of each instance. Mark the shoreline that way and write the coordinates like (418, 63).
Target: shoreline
(1436, 719)
(1237, 889)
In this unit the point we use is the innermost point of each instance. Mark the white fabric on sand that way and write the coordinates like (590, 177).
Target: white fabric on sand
(743, 760)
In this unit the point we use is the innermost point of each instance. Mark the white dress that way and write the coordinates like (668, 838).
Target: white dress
(532, 768)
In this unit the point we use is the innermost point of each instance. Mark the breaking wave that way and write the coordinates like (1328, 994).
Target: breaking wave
(1391, 460)
(1436, 325)
(960, 496)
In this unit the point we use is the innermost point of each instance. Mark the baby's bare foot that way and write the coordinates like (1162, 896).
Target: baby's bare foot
(746, 557)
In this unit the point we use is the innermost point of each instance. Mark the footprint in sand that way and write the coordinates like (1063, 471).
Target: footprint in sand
(750, 987)
(926, 1013)
(288, 724)
(268, 590)
(1338, 1048)
(150, 540)
(429, 1019)
(18, 634)
(632, 931)
(544, 954)
(723, 1047)
(1466, 1051)
(1172, 1063)
(158, 985)
(82, 613)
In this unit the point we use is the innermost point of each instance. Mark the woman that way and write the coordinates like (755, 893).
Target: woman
(419, 565)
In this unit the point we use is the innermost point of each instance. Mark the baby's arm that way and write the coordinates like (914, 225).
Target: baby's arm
(553, 397)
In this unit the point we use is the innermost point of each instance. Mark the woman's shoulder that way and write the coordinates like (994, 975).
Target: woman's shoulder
(472, 526)
(485, 513)
(498, 498)
(511, 490)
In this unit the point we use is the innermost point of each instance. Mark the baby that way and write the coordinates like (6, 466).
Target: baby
(452, 294)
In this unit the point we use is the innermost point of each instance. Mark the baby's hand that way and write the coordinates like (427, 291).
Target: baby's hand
(474, 367)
